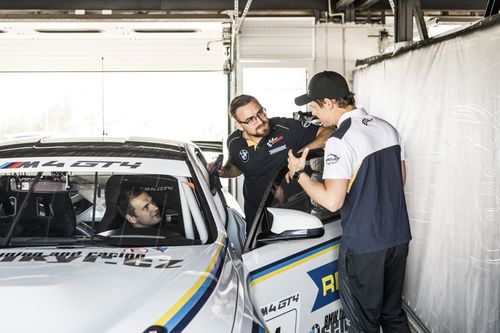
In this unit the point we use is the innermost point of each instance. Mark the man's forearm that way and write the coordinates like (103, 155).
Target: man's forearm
(330, 195)
(321, 138)
(229, 171)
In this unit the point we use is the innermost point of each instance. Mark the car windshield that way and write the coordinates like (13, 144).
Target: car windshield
(68, 208)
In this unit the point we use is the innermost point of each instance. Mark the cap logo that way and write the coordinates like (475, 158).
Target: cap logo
(332, 159)
(244, 155)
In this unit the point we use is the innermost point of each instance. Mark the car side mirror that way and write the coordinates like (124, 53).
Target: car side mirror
(288, 224)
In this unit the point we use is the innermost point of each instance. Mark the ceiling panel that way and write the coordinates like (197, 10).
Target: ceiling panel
(26, 49)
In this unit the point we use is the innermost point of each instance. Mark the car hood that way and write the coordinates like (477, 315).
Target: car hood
(106, 289)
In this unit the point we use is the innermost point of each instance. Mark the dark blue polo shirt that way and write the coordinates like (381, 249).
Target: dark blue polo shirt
(260, 163)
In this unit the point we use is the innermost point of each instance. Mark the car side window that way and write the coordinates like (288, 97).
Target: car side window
(292, 196)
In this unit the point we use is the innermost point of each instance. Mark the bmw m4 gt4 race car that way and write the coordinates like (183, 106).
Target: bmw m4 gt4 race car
(135, 235)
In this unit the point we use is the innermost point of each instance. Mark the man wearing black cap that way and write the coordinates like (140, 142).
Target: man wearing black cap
(258, 147)
(364, 175)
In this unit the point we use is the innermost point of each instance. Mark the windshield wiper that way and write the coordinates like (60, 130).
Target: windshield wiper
(8, 237)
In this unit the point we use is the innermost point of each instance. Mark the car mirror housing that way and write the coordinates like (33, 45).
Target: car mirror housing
(291, 224)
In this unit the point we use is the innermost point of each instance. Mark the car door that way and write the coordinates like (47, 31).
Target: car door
(294, 283)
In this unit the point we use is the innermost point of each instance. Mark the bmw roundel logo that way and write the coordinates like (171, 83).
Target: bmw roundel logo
(244, 155)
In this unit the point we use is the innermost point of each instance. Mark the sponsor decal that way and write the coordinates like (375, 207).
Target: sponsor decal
(365, 121)
(277, 150)
(77, 164)
(95, 257)
(280, 306)
(282, 316)
(136, 250)
(326, 279)
(332, 159)
(157, 189)
(244, 155)
(272, 141)
(162, 249)
(335, 322)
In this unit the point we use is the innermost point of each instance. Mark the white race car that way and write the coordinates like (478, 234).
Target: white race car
(71, 262)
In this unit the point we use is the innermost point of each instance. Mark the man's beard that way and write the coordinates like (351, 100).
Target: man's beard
(261, 132)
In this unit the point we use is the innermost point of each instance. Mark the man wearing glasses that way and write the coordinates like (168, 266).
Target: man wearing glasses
(258, 147)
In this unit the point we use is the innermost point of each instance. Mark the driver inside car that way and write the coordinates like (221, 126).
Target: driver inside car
(142, 217)
(138, 209)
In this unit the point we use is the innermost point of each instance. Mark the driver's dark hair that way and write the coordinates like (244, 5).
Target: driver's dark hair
(240, 101)
(123, 203)
(343, 102)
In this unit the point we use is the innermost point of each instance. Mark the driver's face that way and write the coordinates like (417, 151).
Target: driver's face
(146, 211)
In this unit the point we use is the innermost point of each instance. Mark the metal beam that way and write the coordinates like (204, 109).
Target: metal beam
(419, 19)
(403, 25)
(350, 13)
(341, 4)
(367, 4)
(492, 8)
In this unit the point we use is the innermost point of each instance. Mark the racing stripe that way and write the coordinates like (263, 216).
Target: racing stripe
(7, 165)
(186, 308)
(14, 165)
(294, 260)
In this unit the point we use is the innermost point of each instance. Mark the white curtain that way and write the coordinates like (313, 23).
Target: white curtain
(445, 101)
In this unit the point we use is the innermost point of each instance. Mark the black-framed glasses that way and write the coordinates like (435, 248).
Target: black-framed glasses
(253, 119)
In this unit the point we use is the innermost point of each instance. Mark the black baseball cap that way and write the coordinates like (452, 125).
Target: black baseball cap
(326, 84)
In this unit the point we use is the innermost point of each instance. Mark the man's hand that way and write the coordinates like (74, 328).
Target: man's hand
(295, 164)
(215, 165)
(226, 171)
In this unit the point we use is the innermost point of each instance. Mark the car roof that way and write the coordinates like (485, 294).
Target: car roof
(93, 146)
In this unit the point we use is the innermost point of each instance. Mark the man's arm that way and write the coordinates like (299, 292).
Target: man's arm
(403, 171)
(330, 194)
(229, 170)
(321, 137)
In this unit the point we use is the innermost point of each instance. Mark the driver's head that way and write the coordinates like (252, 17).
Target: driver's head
(139, 209)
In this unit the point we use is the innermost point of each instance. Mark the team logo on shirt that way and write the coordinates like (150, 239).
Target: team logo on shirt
(365, 121)
(332, 159)
(272, 141)
(244, 155)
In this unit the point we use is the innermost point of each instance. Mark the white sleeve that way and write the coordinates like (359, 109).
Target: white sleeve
(402, 147)
(339, 160)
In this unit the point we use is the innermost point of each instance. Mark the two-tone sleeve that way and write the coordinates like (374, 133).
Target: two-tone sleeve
(338, 160)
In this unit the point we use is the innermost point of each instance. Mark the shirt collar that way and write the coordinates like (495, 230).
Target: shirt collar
(360, 112)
